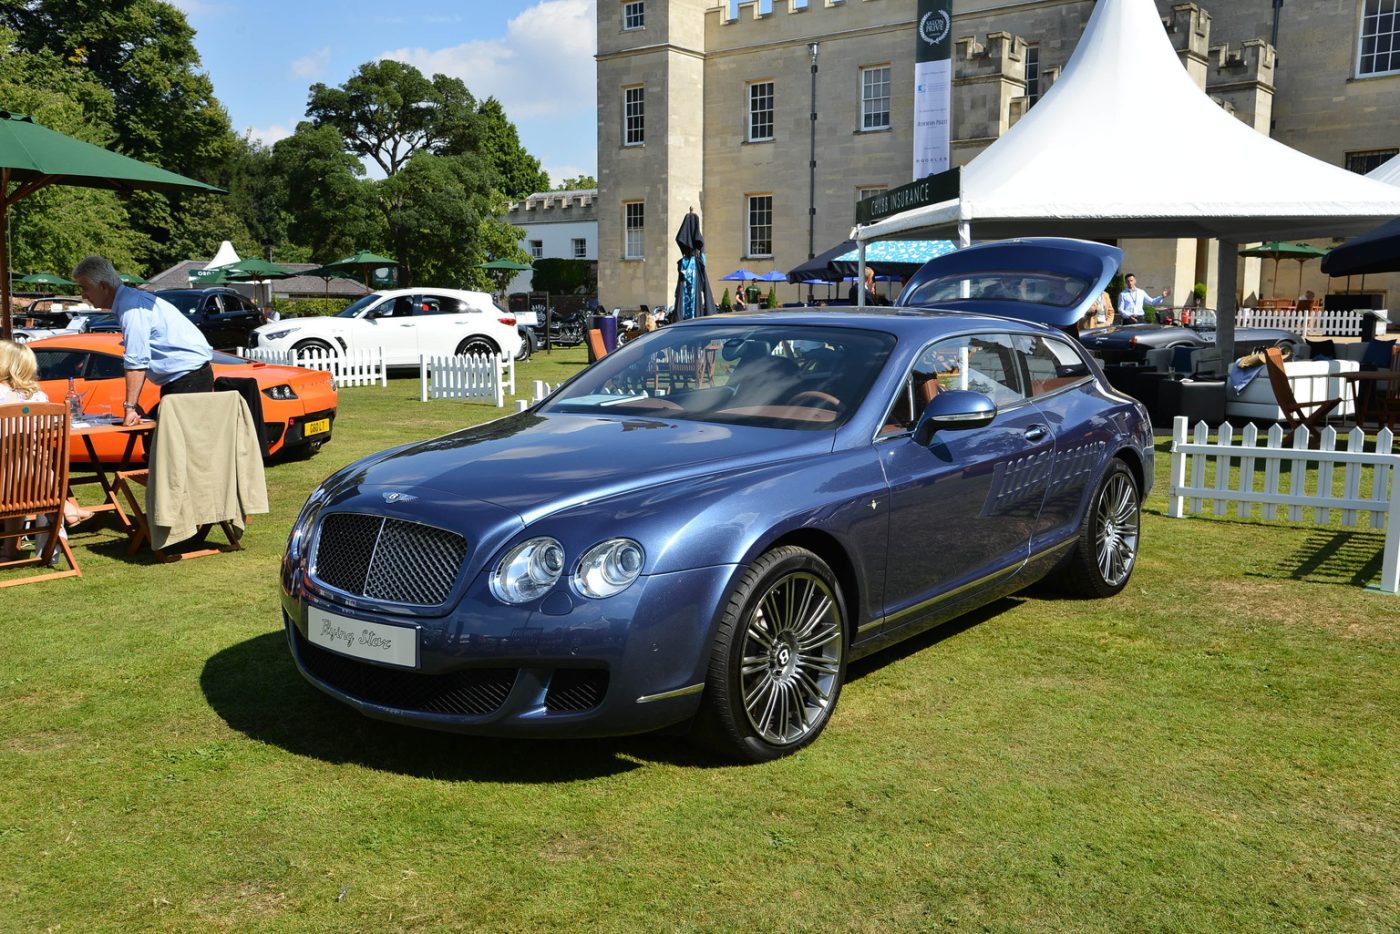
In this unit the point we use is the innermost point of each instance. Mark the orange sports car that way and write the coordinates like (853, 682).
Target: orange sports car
(298, 405)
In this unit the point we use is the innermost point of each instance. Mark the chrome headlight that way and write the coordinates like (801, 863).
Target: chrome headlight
(528, 571)
(281, 392)
(609, 568)
(277, 335)
(301, 528)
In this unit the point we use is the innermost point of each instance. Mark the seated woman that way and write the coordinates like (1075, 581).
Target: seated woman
(18, 383)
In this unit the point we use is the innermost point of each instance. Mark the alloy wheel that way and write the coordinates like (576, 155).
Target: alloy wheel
(1117, 522)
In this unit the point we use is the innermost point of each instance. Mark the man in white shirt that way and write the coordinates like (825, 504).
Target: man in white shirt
(1132, 298)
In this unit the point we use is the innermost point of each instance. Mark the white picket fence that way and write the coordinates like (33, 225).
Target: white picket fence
(478, 376)
(349, 367)
(1251, 476)
(1308, 323)
(541, 389)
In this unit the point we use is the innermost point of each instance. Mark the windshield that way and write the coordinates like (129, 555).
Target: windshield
(359, 305)
(1038, 288)
(799, 377)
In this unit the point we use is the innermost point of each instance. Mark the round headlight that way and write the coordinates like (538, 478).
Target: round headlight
(528, 571)
(609, 568)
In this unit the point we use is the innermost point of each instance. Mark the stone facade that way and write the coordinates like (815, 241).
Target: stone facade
(696, 60)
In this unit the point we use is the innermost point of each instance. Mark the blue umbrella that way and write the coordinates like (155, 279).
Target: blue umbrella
(773, 276)
(894, 257)
(739, 275)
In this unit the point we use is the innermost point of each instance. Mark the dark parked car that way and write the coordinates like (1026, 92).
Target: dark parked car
(709, 524)
(1129, 343)
(224, 316)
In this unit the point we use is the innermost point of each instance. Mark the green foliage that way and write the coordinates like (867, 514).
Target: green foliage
(1198, 293)
(565, 276)
(577, 183)
(772, 300)
(724, 303)
(310, 307)
(330, 208)
(517, 172)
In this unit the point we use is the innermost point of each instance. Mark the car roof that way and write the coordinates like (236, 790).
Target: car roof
(420, 289)
(198, 291)
(899, 321)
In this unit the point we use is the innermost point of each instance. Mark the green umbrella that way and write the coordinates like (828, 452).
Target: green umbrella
(1277, 250)
(32, 156)
(47, 279)
(356, 266)
(129, 279)
(503, 266)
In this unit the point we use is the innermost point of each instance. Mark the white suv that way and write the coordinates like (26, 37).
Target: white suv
(406, 323)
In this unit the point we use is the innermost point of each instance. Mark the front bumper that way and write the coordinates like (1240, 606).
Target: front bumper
(295, 433)
(565, 666)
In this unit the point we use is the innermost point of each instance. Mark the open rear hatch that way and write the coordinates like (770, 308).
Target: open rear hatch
(1049, 280)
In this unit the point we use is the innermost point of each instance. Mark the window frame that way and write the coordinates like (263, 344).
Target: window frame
(1392, 54)
(1381, 157)
(1032, 74)
(537, 249)
(749, 240)
(580, 247)
(637, 7)
(634, 135)
(866, 99)
(750, 89)
(628, 228)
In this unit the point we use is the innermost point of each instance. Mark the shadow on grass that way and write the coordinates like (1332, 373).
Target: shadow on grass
(1327, 556)
(255, 687)
(931, 637)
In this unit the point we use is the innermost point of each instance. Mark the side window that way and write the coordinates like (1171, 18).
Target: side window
(1052, 364)
(984, 363)
(60, 364)
(102, 366)
(247, 305)
(441, 305)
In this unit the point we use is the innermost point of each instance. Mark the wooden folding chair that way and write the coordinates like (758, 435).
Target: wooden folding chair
(34, 485)
(1293, 410)
(127, 483)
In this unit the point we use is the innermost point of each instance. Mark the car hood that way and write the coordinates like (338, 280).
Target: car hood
(535, 465)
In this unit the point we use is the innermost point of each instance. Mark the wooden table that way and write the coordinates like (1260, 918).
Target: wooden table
(103, 473)
(1354, 380)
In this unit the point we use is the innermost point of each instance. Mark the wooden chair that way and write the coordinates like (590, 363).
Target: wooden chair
(34, 484)
(1293, 410)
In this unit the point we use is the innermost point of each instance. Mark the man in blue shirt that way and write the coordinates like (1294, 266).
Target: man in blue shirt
(1131, 299)
(162, 345)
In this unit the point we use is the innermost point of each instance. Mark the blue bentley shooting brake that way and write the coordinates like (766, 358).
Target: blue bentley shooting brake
(708, 525)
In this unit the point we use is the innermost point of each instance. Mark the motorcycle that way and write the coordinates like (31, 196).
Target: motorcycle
(567, 330)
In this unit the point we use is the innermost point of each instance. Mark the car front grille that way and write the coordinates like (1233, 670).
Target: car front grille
(575, 689)
(388, 559)
(468, 692)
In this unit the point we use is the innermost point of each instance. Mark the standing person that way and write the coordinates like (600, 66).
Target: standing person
(270, 314)
(1132, 298)
(162, 345)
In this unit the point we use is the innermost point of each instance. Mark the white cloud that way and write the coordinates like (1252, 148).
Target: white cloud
(543, 66)
(269, 135)
(313, 65)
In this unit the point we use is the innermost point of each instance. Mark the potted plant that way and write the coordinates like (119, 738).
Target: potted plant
(1198, 294)
(724, 301)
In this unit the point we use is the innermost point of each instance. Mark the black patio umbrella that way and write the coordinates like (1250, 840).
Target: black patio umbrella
(693, 296)
(1377, 251)
(816, 267)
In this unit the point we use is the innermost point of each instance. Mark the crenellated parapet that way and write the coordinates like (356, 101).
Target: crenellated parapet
(1188, 27)
(1244, 76)
(989, 77)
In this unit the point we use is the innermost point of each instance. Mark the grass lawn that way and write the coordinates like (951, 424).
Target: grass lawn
(1215, 749)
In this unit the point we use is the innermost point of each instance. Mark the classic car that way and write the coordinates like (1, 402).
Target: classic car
(226, 318)
(298, 405)
(706, 526)
(405, 323)
(1129, 343)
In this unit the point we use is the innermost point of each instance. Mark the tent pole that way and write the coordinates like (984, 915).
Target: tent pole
(860, 273)
(1227, 285)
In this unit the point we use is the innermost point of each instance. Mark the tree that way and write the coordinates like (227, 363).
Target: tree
(577, 183)
(331, 208)
(518, 173)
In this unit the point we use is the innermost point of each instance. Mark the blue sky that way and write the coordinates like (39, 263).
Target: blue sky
(535, 56)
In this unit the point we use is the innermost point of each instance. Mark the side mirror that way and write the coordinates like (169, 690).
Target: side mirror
(954, 410)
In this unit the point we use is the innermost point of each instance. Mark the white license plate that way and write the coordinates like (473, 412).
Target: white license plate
(379, 642)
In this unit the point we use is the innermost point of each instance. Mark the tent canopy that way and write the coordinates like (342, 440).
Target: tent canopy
(1188, 168)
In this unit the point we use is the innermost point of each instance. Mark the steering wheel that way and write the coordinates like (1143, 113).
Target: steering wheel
(811, 396)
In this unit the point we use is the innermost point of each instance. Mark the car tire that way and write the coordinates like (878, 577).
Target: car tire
(527, 347)
(1105, 552)
(778, 661)
(476, 344)
(322, 346)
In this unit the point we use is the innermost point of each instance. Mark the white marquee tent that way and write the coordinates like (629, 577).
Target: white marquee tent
(1388, 172)
(1178, 166)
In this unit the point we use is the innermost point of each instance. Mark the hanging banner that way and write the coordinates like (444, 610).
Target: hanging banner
(933, 87)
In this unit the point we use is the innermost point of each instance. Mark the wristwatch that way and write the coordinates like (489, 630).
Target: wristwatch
(129, 406)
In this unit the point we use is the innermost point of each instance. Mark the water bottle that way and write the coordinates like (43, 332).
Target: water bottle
(74, 401)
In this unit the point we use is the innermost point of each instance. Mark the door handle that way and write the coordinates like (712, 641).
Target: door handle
(1036, 433)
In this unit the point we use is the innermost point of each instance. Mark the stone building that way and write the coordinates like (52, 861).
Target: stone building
(709, 105)
(557, 225)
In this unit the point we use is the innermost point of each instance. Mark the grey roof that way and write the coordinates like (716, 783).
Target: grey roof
(178, 277)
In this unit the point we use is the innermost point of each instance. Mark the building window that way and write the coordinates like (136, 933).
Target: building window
(634, 223)
(1364, 163)
(875, 98)
(537, 249)
(760, 111)
(1380, 38)
(760, 229)
(580, 248)
(1032, 74)
(634, 106)
(863, 193)
(634, 14)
